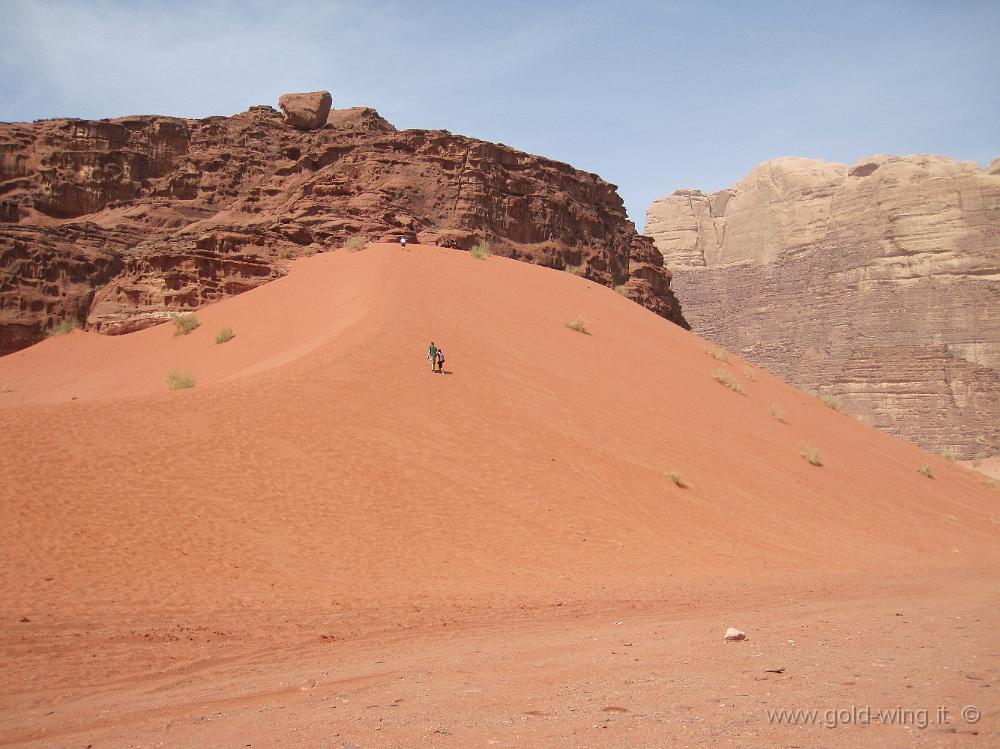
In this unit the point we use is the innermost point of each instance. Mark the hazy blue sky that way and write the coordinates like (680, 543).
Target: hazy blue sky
(651, 96)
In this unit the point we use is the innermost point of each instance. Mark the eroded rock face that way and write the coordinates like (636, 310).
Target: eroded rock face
(878, 283)
(306, 111)
(117, 223)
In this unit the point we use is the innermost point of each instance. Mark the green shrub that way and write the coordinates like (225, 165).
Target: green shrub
(355, 243)
(926, 471)
(225, 335)
(832, 401)
(575, 270)
(481, 250)
(66, 326)
(777, 412)
(620, 288)
(285, 254)
(677, 479)
(717, 353)
(728, 379)
(177, 380)
(579, 325)
(184, 324)
(811, 454)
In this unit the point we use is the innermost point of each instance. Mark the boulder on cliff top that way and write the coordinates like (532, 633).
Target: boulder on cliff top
(306, 111)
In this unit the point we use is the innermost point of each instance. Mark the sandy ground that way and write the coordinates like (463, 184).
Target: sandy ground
(324, 543)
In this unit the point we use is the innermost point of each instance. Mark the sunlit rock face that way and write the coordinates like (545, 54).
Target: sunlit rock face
(878, 283)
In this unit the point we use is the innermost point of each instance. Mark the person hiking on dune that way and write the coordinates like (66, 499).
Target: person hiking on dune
(402, 243)
(432, 354)
(440, 361)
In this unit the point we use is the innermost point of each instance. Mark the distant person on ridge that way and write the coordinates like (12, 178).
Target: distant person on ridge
(402, 246)
(432, 354)
(440, 358)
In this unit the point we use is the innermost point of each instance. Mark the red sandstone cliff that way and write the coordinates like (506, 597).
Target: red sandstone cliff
(116, 223)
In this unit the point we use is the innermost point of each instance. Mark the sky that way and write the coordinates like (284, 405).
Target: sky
(652, 96)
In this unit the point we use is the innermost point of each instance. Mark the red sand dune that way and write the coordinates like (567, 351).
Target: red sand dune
(323, 510)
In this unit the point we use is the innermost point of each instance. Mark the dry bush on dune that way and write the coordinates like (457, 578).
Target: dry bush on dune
(225, 335)
(777, 412)
(620, 288)
(832, 401)
(184, 324)
(926, 471)
(481, 250)
(748, 373)
(717, 353)
(355, 243)
(575, 270)
(579, 325)
(677, 479)
(177, 380)
(66, 326)
(728, 379)
(811, 454)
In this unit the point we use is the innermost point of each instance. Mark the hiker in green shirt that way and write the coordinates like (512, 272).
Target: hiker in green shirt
(432, 354)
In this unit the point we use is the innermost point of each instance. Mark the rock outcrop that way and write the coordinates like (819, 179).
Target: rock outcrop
(118, 223)
(306, 111)
(878, 283)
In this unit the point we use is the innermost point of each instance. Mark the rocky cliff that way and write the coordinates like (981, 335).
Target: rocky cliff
(877, 283)
(114, 224)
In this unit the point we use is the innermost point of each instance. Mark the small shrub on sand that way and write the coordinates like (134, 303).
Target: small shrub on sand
(748, 373)
(575, 270)
(66, 326)
(285, 254)
(309, 251)
(481, 250)
(728, 379)
(717, 353)
(225, 335)
(811, 454)
(926, 471)
(177, 380)
(777, 412)
(677, 479)
(355, 243)
(579, 325)
(620, 288)
(832, 401)
(184, 324)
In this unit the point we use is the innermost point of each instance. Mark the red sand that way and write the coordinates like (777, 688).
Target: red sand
(442, 560)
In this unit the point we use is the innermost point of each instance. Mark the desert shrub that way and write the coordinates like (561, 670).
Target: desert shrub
(177, 380)
(620, 288)
(926, 471)
(717, 353)
(579, 325)
(285, 254)
(777, 412)
(677, 479)
(832, 401)
(811, 454)
(309, 251)
(355, 243)
(728, 379)
(184, 324)
(225, 335)
(335, 209)
(481, 250)
(575, 270)
(748, 373)
(66, 326)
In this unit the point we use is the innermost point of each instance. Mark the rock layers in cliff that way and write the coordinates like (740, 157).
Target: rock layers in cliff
(877, 283)
(117, 223)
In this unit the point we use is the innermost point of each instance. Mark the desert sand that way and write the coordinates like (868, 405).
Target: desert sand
(325, 544)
